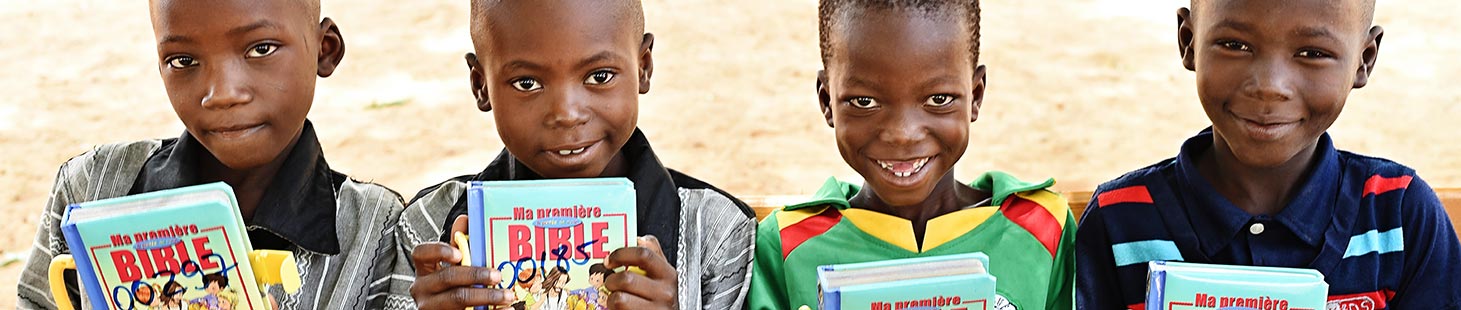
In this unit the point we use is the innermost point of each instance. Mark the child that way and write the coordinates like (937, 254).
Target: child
(561, 79)
(1265, 185)
(213, 283)
(901, 85)
(241, 76)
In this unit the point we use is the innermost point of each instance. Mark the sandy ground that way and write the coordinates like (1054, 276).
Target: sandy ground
(1078, 90)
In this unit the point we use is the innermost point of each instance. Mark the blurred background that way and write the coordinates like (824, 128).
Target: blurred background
(1079, 90)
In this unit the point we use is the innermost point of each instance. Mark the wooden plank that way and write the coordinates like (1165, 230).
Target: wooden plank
(763, 205)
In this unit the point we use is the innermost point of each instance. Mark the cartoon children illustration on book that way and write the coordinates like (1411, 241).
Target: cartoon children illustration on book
(213, 284)
(594, 295)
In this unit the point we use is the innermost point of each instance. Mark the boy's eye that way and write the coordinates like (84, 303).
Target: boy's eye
(181, 62)
(1235, 45)
(600, 77)
(262, 49)
(526, 84)
(939, 100)
(1313, 54)
(863, 102)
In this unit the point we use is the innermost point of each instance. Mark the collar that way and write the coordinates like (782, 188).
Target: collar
(939, 230)
(298, 206)
(657, 197)
(1217, 221)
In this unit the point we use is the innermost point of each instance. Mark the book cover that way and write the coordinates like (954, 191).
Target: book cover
(549, 238)
(1181, 286)
(183, 248)
(956, 282)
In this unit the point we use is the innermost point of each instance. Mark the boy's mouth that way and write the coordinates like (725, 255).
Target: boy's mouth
(903, 168)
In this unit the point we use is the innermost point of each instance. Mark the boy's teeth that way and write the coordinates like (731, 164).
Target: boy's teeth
(904, 169)
(573, 151)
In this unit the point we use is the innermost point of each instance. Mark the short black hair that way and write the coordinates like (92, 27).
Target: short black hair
(630, 10)
(830, 11)
(218, 277)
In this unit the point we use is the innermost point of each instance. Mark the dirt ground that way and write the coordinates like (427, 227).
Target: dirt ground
(1079, 90)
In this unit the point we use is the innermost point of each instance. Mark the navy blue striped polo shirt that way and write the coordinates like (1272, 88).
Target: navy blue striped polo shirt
(1375, 230)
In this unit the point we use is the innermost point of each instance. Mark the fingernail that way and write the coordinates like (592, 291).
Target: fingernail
(492, 277)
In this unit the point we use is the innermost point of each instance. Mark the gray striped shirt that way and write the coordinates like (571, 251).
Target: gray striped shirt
(359, 277)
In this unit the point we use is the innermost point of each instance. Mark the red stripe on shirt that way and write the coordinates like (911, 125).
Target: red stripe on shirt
(1380, 185)
(1369, 300)
(1123, 195)
(1035, 219)
(1138, 306)
(794, 235)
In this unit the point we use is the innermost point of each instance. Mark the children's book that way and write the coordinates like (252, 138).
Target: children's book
(549, 238)
(183, 248)
(959, 281)
(1179, 286)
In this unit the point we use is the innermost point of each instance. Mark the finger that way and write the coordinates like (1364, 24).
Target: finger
(427, 257)
(464, 297)
(458, 225)
(454, 277)
(624, 300)
(652, 243)
(653, 263)
(641, 286)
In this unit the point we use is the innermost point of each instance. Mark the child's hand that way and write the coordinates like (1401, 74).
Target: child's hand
(656, 288)
(451, 286)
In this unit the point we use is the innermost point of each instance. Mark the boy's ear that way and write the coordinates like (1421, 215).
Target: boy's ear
(1368, 57)
(479, 86)
(823, 98)
(646, 62)
(1184, 39)
(332, 48)
(976, 99)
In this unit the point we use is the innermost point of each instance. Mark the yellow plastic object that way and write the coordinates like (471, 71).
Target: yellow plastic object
(275, 267)
(461, 241)
(59, 265)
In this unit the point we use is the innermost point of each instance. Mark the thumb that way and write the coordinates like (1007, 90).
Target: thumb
(458, 225)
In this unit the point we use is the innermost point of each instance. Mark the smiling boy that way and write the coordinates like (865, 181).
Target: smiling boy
(1265, 185)
(901, 84)
(241, 77)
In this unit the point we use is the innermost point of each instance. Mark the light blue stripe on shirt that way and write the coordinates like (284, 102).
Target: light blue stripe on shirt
(1377, 242)
(1137, 252)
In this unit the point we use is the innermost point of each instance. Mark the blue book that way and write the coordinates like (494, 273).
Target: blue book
(955, 282)
(1180, 286)
(548, 235)
(163, 249)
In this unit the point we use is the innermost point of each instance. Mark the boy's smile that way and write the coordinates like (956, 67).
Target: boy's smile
(900, 89)
(562, 79)
(241, 74)
(1273, 75)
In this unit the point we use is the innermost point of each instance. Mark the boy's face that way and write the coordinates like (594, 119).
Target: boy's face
(241, 74)
(212, 288)
(562, 79)
(1274, 75)
(900, 89)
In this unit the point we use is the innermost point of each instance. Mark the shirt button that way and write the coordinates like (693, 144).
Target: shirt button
(1257, 228)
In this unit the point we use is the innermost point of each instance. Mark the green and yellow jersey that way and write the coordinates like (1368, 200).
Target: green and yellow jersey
(1026, 230)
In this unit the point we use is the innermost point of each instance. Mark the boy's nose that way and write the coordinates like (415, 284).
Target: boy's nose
(569, 110)
(227, 87)
(903, 128)
(1271, 81)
